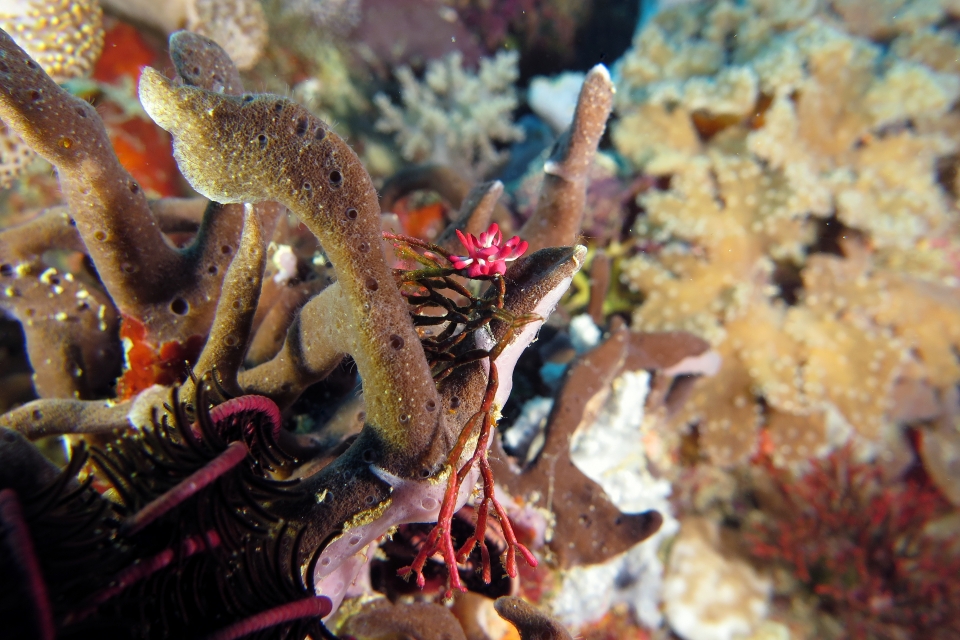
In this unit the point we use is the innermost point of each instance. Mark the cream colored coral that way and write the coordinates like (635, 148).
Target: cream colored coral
(883, 18)
(910, 89)
(841, 134)
(658, 58)
(938, 50)
(455, 117)
(707, 594)
(658, 139)
(65, 37)
(239, 26)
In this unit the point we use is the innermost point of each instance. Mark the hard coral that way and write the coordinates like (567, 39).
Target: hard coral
(64, 36)
(791, 142)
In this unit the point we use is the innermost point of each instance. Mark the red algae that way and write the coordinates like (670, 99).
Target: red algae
(863, 547)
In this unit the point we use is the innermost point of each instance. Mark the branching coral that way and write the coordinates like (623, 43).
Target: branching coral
(785, 143)
(454, 117)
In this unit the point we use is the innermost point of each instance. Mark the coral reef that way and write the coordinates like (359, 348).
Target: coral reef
(278, 362)
(794, 232)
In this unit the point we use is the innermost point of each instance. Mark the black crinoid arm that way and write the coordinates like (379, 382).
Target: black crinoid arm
(169, 532)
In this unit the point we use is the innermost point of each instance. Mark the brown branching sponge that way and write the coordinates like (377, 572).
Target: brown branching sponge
(250, 148)
(147, 279)
(559, 211)
(65, 38)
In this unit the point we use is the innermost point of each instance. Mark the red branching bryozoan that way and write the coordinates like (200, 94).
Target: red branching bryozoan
(264, 407)
(440, 538)
(862, 546)
(21, 545)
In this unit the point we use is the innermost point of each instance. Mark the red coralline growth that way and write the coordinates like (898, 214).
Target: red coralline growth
(147, 364)
(125, 53)
(862, 545)
(424, 221)
(144, 149)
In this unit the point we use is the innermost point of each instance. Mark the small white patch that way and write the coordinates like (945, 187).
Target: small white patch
(285, 262)
(584, 333)
(555, 98)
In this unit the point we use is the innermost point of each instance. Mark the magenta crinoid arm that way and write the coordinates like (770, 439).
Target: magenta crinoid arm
(312, 607)
(230, 458)
(249, 404)
(21, 546)
(143, 569)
